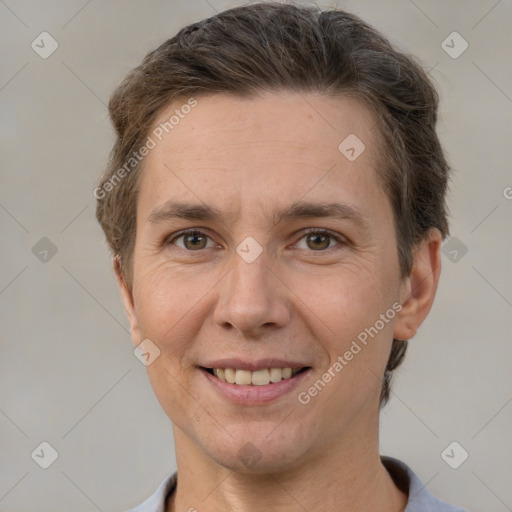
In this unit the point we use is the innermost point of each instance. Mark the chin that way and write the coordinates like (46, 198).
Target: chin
(255, 451)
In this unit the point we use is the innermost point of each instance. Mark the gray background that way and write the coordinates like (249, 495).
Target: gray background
(68, 375)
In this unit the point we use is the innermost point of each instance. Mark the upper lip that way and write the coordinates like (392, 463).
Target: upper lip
(259, 364)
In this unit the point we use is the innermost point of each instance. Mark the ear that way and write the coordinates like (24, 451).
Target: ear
(127, 298)
(419, 289)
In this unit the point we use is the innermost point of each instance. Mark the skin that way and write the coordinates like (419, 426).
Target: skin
(248, 158)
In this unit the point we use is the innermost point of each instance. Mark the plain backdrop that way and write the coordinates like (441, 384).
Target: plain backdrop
(68, 375)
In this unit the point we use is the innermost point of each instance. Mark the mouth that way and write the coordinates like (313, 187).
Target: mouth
(260, 377)
(255, 385)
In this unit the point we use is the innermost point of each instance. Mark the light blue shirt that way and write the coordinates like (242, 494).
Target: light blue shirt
(420, 499)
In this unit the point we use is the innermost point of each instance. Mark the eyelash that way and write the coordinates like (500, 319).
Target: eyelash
(338, 238)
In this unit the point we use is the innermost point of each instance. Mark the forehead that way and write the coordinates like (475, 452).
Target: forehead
(279, 145)
(313, 120)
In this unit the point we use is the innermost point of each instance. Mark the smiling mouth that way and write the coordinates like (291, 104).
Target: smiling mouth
(254, 378)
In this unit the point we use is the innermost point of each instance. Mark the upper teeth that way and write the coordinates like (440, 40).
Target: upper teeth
(257, 378)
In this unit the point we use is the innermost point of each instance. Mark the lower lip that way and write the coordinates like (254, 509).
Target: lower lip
(253, 395)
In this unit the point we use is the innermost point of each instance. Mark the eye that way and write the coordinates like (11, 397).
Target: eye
(192, 240)
(320, 239)
(315, 239)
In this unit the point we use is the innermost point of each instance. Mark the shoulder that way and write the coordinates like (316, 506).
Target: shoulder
(420, 499)
(156, 502)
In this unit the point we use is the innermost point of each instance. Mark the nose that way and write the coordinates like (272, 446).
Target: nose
(252, 298)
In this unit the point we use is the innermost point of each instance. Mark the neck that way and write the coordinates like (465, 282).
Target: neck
(348, 476)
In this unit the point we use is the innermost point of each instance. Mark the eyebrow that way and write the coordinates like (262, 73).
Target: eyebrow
(298, 210)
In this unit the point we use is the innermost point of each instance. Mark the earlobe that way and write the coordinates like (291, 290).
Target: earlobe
(127, 299)
(419, 289)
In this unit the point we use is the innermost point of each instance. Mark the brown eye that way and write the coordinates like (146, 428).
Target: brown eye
(320, 240)
(192, 240)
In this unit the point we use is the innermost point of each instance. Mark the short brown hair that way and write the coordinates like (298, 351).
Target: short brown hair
(271, 47)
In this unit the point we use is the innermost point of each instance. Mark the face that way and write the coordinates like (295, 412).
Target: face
(288, 257)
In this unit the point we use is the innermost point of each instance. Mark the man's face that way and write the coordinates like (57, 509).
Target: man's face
(300, 303)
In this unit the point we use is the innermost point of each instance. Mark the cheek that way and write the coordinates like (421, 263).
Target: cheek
(350, 314)
(171, 305)
(167, 313)
(345, 300)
